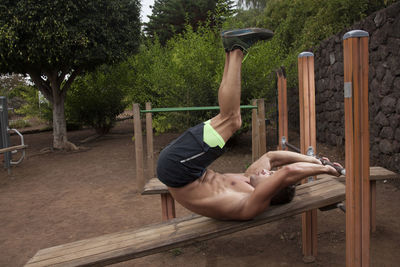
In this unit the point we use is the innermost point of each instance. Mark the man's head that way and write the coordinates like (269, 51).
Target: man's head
(284, 196)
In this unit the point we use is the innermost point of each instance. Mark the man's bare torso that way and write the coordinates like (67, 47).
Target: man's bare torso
(243, 196)
(214, 194)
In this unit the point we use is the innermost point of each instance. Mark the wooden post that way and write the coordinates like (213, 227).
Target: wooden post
(137, 124)
(307, 140)
(167, 207)
(355, 46)
(372, 184)
(254, 133)
(167, 201)
(261, 128)
(282, 108)
(149, 142)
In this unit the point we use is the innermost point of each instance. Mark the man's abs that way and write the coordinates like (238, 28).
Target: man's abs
(214, 195)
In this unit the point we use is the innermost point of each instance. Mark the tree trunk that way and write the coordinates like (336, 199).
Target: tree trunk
(51, 89)
(59, 123)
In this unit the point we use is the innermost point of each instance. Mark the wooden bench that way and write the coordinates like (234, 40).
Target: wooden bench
(131, 244)
(154, 186)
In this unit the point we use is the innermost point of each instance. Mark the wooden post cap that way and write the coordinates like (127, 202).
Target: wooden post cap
(355, 33)
(306, 54)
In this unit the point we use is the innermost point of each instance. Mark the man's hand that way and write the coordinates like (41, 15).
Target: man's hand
(338, 168)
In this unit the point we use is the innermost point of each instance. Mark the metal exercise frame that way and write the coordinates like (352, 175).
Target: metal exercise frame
(5, 146)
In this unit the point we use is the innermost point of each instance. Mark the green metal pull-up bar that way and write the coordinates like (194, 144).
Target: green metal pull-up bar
(154, 110)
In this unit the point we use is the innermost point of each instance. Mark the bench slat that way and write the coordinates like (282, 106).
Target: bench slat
(375, 173)
(113, 248)
(154, 186)
(379, 173)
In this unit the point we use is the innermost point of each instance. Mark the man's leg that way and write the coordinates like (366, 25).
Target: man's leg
(228, 121)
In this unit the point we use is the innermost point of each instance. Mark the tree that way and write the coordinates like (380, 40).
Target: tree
(9, 82)
(257, 4)
(169, 17)
(97, 98)
(55, 41)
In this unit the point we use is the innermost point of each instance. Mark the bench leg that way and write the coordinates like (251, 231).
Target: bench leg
(167, 207)
(373, 205)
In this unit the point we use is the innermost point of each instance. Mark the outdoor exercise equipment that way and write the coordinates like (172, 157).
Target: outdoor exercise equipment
(358, 192)
(150, 239)
(282, 110)
(5, 146)
(308, 140)
(259, 146)
(355, 46)
(310, 152)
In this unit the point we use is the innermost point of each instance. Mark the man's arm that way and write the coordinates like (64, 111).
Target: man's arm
(260, 199)
(280, 157)
(273, 159)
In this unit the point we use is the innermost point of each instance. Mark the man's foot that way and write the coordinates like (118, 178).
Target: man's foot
(244, 38)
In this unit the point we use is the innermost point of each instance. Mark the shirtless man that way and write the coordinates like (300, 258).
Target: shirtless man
(182, 165)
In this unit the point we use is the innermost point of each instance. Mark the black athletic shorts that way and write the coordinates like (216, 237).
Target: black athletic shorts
(186, 158)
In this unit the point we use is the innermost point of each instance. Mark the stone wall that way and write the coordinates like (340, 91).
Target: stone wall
(384, 87)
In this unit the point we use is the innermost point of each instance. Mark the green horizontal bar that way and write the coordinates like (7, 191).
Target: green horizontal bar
(190, 109)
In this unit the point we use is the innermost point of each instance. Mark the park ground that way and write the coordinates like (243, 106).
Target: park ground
(58, 197)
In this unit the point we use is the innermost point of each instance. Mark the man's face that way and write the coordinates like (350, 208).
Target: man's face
(259, 177)
(265, 172)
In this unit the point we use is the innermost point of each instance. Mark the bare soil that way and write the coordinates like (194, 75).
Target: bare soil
(57, 197)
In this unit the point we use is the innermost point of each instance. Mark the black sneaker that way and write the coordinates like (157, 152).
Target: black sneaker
(244, 38)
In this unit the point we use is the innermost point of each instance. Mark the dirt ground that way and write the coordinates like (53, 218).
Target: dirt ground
(59, 197)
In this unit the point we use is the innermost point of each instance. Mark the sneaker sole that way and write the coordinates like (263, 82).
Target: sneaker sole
(265, 33)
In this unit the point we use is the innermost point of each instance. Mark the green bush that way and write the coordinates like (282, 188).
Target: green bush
(18, 124)
(30, 103)
(188, 69)
(298, 26)
(185, 72)
(97, 98)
